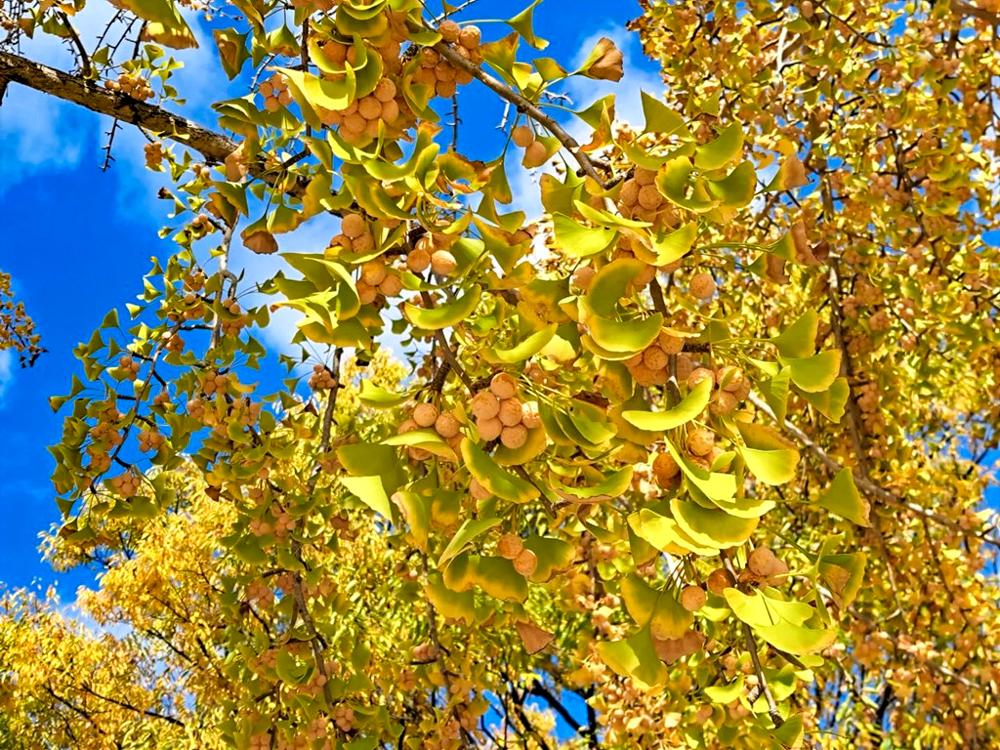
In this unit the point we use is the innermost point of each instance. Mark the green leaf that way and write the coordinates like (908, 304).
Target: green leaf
(373, 395)
(529, 347)
(610, 284)
(497, 578)
(665, 534)
(844, 575)
(426, 439)
(624, 337)
(689, 408)
(451, 604)
(726, 148)
(799, 339)
(659, 117)
(832, 402)
(842, 498)
(465, 535)
(498, 481)
(612, 486)
(634, 657)
(522, 24)
(554, 555)
(367, 459)
(714, 528)
(580, 241)
(313, 93)
(443, 316)
(738, 188)
(816, 373)
(769, 456)
(674, 245)
(370, 491)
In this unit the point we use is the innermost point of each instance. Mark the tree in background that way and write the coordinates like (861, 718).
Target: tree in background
(692, 462)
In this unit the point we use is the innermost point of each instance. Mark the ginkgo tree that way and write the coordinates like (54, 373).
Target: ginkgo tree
(693, 461)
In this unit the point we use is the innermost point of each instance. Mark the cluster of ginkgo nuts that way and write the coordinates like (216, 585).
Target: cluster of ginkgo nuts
(500, 414)
(154, 153)
(126, 484)
(427, 415)
(129, 367)
(431, 251)
(322, 378)
(362, 116)
(535, 152)
(275, 92)
(436, 72)
(150, 440)
(510, 547)
(135, 86)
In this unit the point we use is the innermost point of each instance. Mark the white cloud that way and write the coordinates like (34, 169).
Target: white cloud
(41, 134)
(6, 372)
(583, 92)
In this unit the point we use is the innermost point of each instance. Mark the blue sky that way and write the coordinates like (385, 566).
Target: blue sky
(77, 240)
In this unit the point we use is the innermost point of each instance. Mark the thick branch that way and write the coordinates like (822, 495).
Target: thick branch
(866, 485)
(215, 147)
(523, 104)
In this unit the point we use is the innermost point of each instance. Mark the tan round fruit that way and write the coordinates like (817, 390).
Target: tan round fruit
(654, 358)
(373, 271)
(391, 285)
(449, 31)
(643, 177)
(763, 563)
(629, 194)
(489, 429)
(425, 414)
(366, 293)
(353, 225)
(418, 260)
(478, 492)
(523, 136)
(385, 91)
(509, 546)
(534, 155)
(669, 343)
(526, 562)
(649, 197)
(370, 108)
(700, 441)
(407, 426)
(693, 598)
(447, 425)
(702, 285)
(700, 374)
(723, 404)
(730, 378)
(514, 437)
(583, 276)
(443, 263)
(503, 385)
(665, 468)
(718, 581)
(531, 418)
(485, 405)
(469, 37)
(511, 412)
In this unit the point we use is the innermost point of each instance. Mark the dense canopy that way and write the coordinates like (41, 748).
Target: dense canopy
(695, 458)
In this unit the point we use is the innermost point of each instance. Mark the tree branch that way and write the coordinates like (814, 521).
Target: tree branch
(523, 104)
(215, 147)
(866, 485)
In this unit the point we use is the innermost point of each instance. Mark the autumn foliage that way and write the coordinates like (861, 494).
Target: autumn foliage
(694, 460)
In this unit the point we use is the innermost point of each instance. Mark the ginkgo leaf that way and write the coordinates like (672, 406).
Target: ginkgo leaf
(842, 498)
(693, 404)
